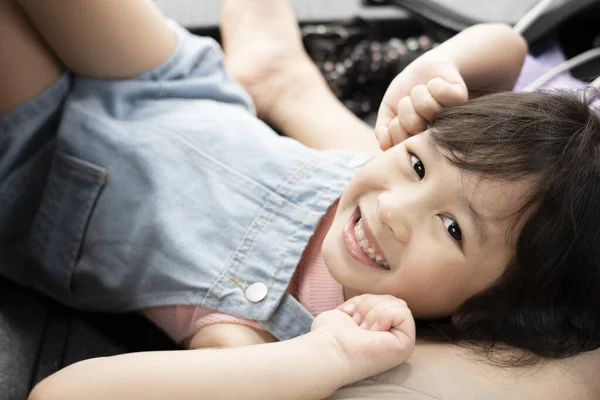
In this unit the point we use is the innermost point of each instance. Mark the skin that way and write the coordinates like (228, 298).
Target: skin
(369, 333)
(412, 219)
(113, 40)
(31, 68)
(271, 66)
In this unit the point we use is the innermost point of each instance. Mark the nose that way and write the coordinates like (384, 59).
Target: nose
(399, 212)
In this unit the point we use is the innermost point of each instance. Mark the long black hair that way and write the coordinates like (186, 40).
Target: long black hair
(547, 302)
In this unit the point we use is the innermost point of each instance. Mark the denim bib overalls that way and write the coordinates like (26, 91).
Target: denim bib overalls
(118, 195)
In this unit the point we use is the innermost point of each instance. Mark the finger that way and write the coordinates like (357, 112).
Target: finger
(349, 306)
(383, 137)
(424, 103)
(399, 321)
(410, 120)
(403, 327)
(397, 132)
(385, 115)
(365, 303)
(332, 317)
(448, 94)
(380, 318)
(383, 315)
(387, 109)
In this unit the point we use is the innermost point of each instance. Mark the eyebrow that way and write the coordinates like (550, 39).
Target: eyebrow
(478, 220)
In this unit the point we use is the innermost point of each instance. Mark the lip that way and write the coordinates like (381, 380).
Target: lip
(351, 242)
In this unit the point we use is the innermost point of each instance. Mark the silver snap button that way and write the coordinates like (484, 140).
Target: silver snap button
(256, 292)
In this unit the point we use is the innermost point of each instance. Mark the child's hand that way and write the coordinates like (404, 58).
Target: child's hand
(415, 97)
(373, 333)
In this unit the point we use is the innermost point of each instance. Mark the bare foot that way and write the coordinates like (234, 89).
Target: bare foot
(264, 52)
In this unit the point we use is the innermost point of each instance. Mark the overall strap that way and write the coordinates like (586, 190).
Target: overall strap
(289, 320)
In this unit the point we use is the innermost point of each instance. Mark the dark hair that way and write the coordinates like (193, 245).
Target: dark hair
(547, 302)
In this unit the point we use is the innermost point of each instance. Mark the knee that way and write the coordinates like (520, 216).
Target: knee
(47, 390)
(39, 392)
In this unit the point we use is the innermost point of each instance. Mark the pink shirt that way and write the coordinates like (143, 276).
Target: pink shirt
(311, 285)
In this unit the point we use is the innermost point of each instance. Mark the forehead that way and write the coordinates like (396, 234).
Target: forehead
(500, 204)
(496, 200)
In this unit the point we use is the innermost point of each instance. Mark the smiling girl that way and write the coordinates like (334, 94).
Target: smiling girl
(165, 194)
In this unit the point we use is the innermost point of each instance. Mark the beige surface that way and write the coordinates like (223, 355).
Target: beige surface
(443, 372)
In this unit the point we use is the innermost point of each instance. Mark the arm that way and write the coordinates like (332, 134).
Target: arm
(487, 56)
(307, 367)
(335, 353)
(264, 52)
(318, 119)
(481, 59)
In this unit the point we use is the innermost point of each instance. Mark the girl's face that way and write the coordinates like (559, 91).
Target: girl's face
(412, 225)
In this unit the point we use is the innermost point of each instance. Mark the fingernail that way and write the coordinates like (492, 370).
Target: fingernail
(357, 318)
(364, 325)
(375, 326)
(349, 308)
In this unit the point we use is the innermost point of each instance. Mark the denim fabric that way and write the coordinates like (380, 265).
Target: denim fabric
(27, 144)
(166, 189)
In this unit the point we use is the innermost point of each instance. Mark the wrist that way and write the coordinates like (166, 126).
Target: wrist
(429, 64)
(329, 352)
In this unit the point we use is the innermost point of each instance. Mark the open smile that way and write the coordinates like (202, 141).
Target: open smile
(362, 244)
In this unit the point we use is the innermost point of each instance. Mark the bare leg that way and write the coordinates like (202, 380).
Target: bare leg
(103, 38)
(263, 46)
(27, 65)
(264, 52)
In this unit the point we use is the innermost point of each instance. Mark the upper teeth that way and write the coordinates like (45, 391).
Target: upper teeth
(366, 246)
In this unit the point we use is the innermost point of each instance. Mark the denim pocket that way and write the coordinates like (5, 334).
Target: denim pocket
(72, 188)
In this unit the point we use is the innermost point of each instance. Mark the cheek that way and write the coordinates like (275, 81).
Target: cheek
(327, 247)
(433, 282)
(331, 250)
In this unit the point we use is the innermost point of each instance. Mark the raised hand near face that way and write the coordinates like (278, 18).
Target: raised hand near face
(415, 97)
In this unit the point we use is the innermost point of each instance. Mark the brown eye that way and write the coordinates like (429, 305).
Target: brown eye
(417, 165)
(452, 228)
